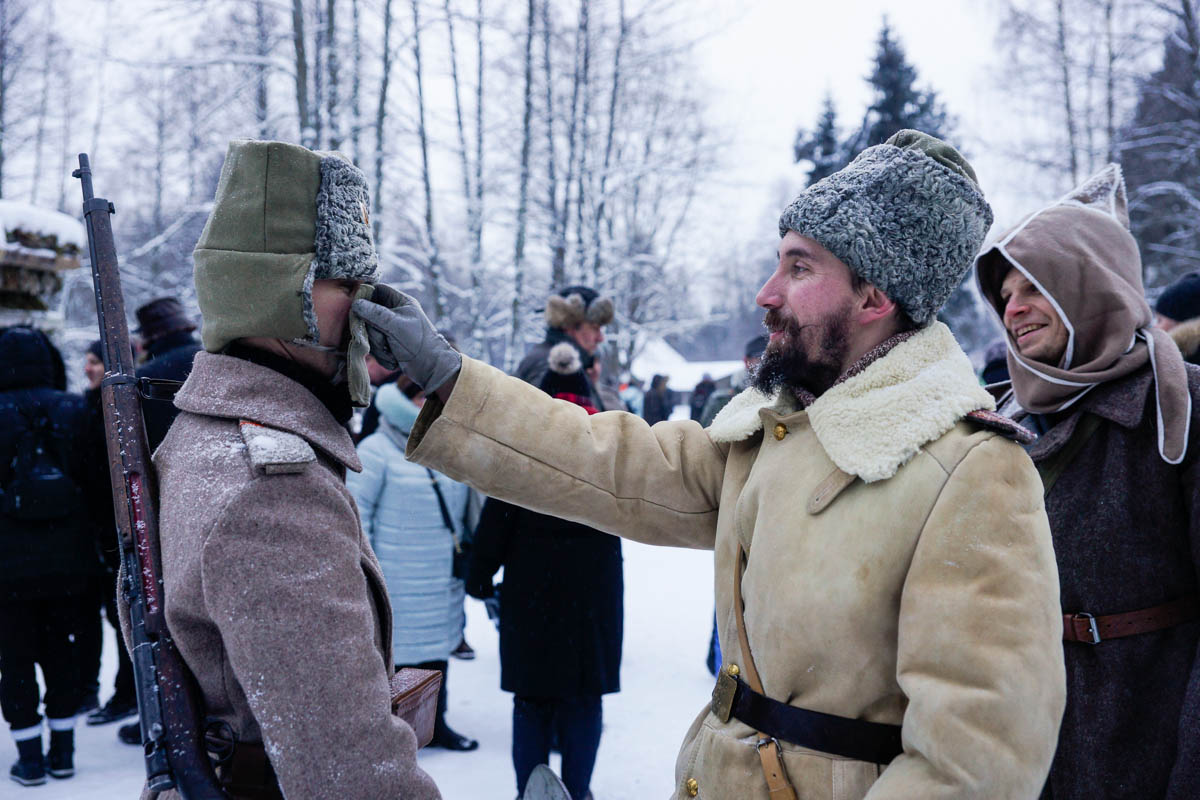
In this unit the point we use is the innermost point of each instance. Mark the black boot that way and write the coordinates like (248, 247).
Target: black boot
(60, 761)
(447, 738)
(29, 769)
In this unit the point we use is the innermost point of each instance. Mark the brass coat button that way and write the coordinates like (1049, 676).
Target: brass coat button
(734, 671)
(780, 431)
(693, 787)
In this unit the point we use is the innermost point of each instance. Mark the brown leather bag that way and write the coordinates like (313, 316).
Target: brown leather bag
(414, 700)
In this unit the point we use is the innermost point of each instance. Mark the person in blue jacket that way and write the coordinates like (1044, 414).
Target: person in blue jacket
(415, 519)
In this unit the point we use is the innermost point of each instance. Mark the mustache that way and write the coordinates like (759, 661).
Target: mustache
(776, 321)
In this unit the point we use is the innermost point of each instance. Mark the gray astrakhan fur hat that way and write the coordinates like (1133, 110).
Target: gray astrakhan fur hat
(907, 215)
(576, 304)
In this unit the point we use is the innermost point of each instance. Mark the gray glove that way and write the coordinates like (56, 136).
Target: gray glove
(402, 337)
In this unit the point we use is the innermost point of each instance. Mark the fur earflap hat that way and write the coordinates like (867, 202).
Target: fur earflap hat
(907, 215)
(576, 304)
(283, 217)
(565, 374)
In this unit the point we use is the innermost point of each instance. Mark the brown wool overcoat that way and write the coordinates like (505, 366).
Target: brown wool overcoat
(273, 594)
(1126, 529)
(924, 593)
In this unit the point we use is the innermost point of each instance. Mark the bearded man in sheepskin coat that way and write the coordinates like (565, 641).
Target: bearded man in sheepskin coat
(886, 589)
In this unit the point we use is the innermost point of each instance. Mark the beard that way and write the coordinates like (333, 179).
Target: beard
(789, 362)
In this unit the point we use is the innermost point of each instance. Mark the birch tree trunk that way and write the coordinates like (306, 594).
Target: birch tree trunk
(433, 263)
(584, 178)
(465, 162)
(381, 112)
(48, 47)
(557, 252)
(613, 100)
(302, 110)
(5, 33)
(1110, 82)
(514, 337)
(1065, 65)
(356, 84)
(477, 219)
(331, 63)
(263, 50)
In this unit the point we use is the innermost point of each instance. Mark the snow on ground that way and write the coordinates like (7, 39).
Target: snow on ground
(659, 358)
(16, 216)
(668, 619)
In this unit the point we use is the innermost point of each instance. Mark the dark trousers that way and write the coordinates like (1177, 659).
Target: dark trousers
(443, 667)
(91, 644)
(574, 722)
(39, 631)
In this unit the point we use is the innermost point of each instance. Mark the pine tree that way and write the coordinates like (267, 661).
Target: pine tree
(898, 103)
(822, 149)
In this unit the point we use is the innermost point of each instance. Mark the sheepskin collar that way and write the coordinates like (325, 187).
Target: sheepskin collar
(873, 422)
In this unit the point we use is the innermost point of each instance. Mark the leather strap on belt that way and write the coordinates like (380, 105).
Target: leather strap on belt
(875, 742)
(1090, 629)
(778, 785)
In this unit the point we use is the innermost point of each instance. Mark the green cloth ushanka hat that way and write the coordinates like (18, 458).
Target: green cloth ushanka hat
(283, 217)
(907, 215)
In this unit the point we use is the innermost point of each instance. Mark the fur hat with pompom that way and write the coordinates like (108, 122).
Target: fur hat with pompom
(575, 304)
(565, 375)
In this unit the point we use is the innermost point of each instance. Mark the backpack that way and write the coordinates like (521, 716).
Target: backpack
(38, 487)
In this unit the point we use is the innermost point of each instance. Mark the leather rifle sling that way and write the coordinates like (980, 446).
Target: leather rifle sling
(778, 785)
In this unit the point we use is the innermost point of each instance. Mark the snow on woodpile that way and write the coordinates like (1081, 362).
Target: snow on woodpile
(36, 246)
(34, 228)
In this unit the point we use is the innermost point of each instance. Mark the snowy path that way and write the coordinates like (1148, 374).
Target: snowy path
(668, 616)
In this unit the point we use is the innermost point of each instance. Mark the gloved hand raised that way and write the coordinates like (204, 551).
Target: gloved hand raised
(402, 337)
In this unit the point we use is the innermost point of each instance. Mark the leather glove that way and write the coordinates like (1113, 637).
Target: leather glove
(401, 336)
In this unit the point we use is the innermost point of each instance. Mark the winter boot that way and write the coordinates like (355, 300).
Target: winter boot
(60, 760)
(29, 769)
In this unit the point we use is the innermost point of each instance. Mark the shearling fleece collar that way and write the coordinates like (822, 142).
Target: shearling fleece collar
(233, 388)
(873, 422)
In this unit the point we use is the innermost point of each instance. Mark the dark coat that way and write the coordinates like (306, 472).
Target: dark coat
(170, 358)
(54, 556)
(1126, 529)
(561, 603)
(658, 406)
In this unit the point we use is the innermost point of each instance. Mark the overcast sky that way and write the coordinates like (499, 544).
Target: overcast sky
(769, 63)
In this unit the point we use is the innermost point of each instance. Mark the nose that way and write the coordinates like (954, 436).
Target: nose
(1014, 308)
(769, 296)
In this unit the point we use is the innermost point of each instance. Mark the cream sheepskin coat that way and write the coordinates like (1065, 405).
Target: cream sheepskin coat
(920, 589)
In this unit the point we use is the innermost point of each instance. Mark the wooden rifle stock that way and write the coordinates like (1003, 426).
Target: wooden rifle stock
(167, 694)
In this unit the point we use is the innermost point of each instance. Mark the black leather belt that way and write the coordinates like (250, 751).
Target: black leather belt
(875, 742)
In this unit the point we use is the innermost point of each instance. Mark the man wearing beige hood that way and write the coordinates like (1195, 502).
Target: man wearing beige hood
(885, 586)
(273, 594)
(1114, 404)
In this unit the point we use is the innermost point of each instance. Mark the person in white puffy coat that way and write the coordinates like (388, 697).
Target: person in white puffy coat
(415, 535)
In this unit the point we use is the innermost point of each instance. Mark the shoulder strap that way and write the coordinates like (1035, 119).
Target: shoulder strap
(446, 520)
(778, 785)
(1052, 468)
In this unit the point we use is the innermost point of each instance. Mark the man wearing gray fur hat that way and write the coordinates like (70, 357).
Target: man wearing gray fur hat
(272, 592)
(886, 589)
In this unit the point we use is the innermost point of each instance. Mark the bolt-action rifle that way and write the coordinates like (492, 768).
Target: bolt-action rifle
(168, 697)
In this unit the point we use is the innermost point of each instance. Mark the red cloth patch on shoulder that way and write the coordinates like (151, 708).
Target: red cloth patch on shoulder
(1003, 426)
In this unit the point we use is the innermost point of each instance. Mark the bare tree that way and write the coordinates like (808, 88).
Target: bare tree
(514, 338)
(433, 266)
(381, 111)
(12, 56)
(333, 109)
(303, 115)
(355, 83)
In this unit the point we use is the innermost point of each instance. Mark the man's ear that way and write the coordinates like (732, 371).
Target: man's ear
(874, 305)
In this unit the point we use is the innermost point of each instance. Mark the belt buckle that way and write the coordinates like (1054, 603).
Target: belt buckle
(1092, 629)
(722, 696)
